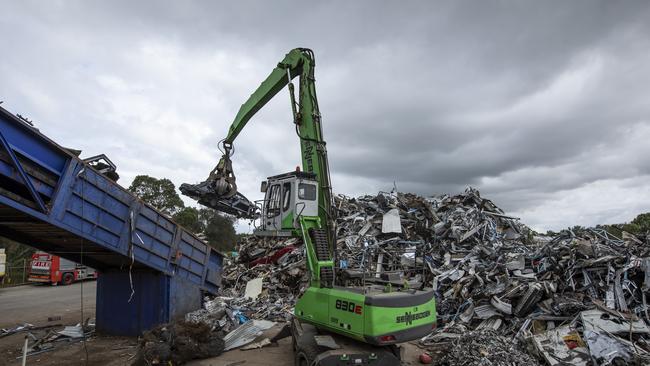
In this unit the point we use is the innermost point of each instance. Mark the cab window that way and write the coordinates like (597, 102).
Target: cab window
(307, 191)
(286, 196)
(273, 208)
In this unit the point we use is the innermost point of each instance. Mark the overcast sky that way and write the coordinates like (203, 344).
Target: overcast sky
(543, 106)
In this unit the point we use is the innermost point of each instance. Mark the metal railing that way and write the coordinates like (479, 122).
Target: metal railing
(395, 256)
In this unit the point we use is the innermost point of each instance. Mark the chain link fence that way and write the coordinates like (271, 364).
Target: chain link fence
(15, 274)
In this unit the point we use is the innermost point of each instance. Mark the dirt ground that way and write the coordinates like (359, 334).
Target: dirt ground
(280, 355)
(102, 351)
(35, 303)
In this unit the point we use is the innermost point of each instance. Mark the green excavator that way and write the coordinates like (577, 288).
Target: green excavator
(333, 325)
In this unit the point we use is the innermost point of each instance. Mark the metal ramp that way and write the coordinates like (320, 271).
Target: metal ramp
(51, 200)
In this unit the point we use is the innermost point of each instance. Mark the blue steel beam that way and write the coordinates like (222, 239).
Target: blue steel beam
(28, 183)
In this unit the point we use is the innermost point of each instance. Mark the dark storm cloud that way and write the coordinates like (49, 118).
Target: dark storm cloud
(541, 105)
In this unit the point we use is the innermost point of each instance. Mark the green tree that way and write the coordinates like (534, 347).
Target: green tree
(576, 229)
(160, 193)
(18, 257)
(219, 230)
(640, 224)
(15, 252)
(188, 217)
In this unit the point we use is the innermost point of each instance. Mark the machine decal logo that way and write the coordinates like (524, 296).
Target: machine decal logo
(348, 306)
(408, 317)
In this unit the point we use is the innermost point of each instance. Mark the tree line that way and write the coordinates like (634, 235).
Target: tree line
(640, 227)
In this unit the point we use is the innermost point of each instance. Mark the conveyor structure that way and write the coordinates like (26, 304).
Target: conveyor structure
(151, 269)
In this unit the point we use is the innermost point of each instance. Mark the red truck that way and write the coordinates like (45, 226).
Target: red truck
(47, 268)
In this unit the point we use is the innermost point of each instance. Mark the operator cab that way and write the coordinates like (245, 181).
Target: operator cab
(288, 196)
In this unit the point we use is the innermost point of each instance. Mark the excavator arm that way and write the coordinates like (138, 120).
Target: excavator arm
(306, 116)
(287, 69)
(307, 120)
(219, 191)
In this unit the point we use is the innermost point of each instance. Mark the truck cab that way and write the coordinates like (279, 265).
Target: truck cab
(287, 196)
(52, 269)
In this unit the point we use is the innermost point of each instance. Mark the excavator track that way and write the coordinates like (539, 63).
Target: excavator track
(319, 238)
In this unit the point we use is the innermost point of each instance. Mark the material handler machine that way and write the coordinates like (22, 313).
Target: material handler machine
(333, 325)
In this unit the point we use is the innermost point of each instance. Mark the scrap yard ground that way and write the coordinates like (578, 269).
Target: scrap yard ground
(34, 304)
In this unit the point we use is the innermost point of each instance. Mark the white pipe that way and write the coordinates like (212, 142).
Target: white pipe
(25, 351)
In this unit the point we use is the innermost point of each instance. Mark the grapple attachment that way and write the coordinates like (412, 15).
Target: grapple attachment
(222, 178)
(219, 191)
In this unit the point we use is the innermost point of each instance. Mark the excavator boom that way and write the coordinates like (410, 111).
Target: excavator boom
(219, 191)
(220, 188)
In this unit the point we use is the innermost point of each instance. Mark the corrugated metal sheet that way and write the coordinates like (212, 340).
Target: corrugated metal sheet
(246, 333)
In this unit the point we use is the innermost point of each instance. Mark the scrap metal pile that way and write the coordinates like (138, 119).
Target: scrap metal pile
(553, 297)
(481, 347)
(266, 277)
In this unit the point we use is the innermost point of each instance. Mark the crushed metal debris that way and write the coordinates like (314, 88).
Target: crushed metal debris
(482, 347)
(46, 338)
(546, 298)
